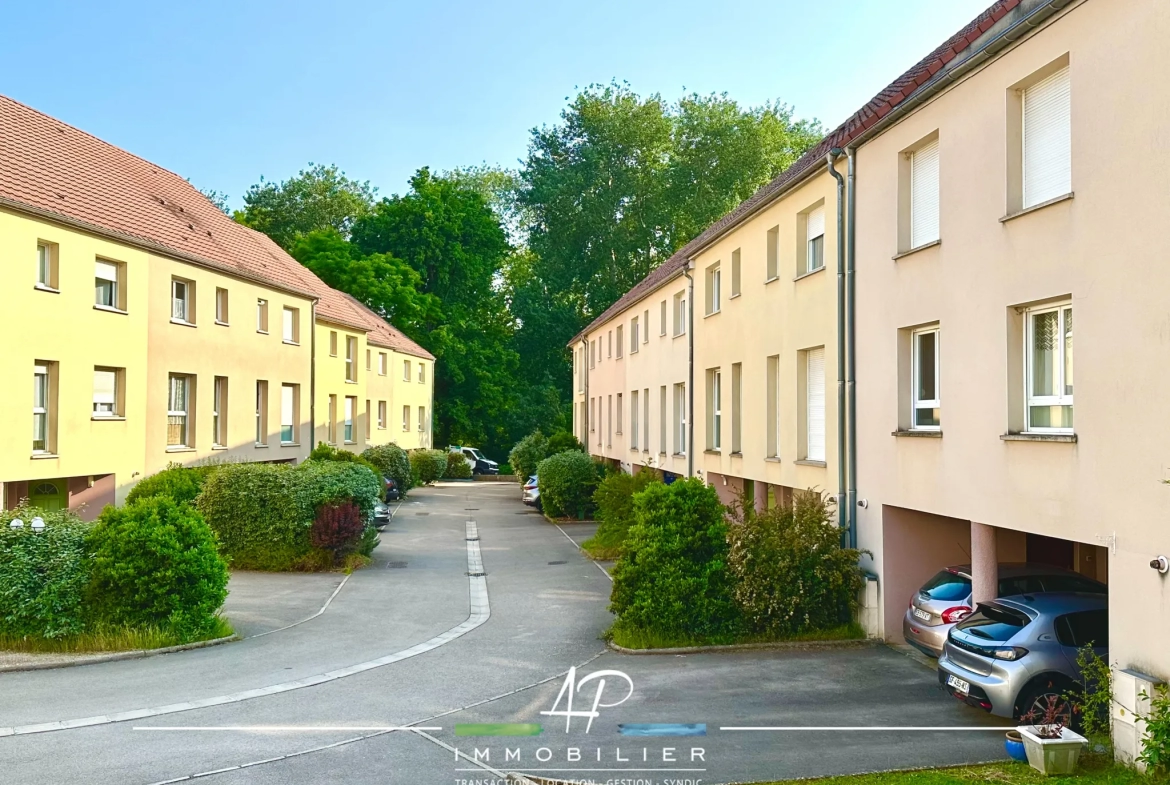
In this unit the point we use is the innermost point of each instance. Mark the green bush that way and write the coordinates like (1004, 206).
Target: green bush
(673, 579)
(155, 565)
(563, 441)
(614, 500)
(791, 573)
(527, 453)
(457, 467)
(393, 462)
(325, 452)
(567, 481)
(42, 576)
(263, 513)
(177, 482)
(428, 465)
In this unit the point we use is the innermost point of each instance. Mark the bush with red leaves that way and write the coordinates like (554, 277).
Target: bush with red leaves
(337, 527)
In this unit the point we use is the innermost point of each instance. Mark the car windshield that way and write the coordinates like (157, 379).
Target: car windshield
(475, 454)
(994, 623)
(948, 587)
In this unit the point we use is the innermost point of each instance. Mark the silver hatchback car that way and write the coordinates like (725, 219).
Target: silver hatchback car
(946, 598)
(1013, 653)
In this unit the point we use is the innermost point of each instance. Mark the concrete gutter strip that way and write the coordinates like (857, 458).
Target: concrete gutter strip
(849, 643)
(135, 654)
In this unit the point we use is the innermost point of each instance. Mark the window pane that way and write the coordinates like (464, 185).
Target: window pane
(104, 293)
(816, 253)
(1068, 352)
(104, 386)
(1045, 353)
(927, 373)
(43, 265)
(924, 418)
(1050, 416)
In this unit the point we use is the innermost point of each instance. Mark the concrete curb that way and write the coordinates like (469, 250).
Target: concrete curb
(135, 654)
(850, 643)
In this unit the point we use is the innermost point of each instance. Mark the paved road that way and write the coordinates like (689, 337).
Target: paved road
(269, 717)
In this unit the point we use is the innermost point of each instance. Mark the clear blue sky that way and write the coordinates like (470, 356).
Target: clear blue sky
(223, 92)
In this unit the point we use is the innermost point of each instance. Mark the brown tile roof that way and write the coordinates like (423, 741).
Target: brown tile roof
(56, 170)
(861, 120)
(382, 333)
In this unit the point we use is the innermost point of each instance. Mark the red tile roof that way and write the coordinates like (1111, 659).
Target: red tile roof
(861, 120)
(52, 169)
(385, 334)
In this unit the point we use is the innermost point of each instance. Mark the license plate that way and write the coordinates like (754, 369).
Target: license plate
(958, 684)
(921, 614)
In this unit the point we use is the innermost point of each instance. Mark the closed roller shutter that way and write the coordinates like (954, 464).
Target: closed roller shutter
(1047, 139)
(816, 404)
(924, 195)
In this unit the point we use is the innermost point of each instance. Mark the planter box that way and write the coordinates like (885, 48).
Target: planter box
(1052, 756)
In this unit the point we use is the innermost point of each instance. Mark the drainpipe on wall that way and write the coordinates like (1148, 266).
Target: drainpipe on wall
(851, 345)
(690, 369)
(313, 374)
(842, 510)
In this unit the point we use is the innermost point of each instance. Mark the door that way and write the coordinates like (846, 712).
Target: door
(48, 495)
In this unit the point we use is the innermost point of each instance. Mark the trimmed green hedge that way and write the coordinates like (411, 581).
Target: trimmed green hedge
(392, 461)
(614, 499)
(177, 482)
(457, 467)
(527, 454)
(428, 465)
(567, 481)
(42, 576)
(155, 565)
(263, 513)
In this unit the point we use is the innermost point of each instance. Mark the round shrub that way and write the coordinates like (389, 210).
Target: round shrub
(562, 441)
(567, 481)
(393, 462)
(155, 564)
(457, 467)
(792, 575)
(177, 482)
(614, 502)
(324, 452)
(673, 580)
(428, 465)
(527, 453)
(42, 575)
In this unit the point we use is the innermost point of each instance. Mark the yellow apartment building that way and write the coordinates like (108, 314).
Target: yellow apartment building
(155, 329)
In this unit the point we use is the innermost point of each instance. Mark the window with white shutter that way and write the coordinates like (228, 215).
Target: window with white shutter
(924, 195)
(816, 404)
(1047, 139)
(815, 234)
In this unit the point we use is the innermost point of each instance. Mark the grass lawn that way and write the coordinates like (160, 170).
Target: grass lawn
(642, 639)
(1093, 771)
(108, 639)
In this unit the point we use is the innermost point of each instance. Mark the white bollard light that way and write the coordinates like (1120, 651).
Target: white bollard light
(38, 524)
(17, 523)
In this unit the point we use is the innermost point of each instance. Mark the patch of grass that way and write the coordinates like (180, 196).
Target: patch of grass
(1094, 771)
(649, 639)
(601, 548)
(355, 561)
(109, 638)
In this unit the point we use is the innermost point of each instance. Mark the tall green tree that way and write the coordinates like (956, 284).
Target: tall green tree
(320, 197)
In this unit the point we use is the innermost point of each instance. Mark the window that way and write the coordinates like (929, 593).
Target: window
(714, 409)
(351, 359)
(609, 342)
(814, 257)
(44, 416)
(646, 326)
(289, 413)
(773, 253)
(1084, 628)
(221, 306)
(381, 415)
(815, 404)
(422, 373)
(369, 419)
(47, 265)
(680, 313)
(634, 420)
(662, 419)
(1049, 374)
(369, 360)
(381, 363)
(620, 414)
(406, 418)
(262, 413)
(735, 273)
(179, 411)
(182, 295)
(736, 407)
(107, 285)
(422, 419)
(331, 425)
(609, 421)
(924, 207)
(634, 334)
(925, 380)
(106, 392)
(713, 277)
(291, 325)
(593, 354)
(406, 370)
(680, 419)
(619, 341)
(592, 419)
(646, 420)
(262, 316)
(350, 408)
(219, 402)
(773, 402)
(1046, 139)
(333, 343)
(662, 318)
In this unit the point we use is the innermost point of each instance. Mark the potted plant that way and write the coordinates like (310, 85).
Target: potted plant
(1051, 747)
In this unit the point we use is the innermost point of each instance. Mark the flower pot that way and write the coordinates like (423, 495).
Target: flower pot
(1013, 744)
(1052, 756)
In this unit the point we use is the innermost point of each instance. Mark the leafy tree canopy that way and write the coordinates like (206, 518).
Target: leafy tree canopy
(320, 197)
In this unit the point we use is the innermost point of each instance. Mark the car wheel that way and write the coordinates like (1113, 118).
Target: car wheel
(1037, 696)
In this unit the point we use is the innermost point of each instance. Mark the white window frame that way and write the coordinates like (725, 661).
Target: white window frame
(680, 314)
(815, 451)
(917, 403)
(716, 422)
(381, 363)
(347, 431)
(405, 418)
(634, 419)
(108, 274)
(261, 423)
(714, 283)
(422, 418)
(1061, 399)
(180, 301)
(42, 389)
(105, 409)
(422, 373)
(218, 412)
(381, 415)
(634, 333)
(288, 414)
(261, 315)
(221, 306)
(45, 276)
(351, 348)
(177, 381)
(406, 370)
(662, 318)
(290, 325)
(811, 262)
(680, 419)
